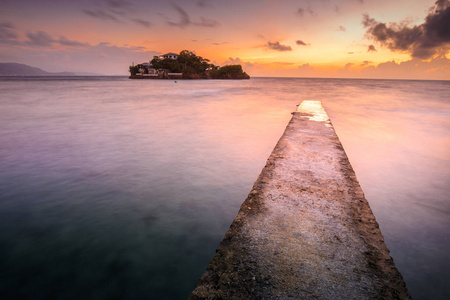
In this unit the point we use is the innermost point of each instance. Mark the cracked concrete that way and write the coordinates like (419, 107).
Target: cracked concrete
(306, 230)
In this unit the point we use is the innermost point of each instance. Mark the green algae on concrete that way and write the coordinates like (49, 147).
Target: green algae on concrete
(306, 230)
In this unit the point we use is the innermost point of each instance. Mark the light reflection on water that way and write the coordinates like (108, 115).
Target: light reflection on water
(112, 187)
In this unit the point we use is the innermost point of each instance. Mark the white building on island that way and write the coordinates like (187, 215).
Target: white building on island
(170, 55)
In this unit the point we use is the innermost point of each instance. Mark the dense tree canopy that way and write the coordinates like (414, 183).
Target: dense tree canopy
(228, 71)
(194, 66)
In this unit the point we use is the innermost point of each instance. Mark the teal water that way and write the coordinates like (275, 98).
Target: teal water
(122, 189)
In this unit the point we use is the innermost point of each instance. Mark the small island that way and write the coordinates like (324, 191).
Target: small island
(185, 65)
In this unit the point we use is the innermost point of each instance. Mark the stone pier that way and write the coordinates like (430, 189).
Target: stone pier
(306, 230)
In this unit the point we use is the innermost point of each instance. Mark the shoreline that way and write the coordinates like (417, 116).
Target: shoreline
(191, 77)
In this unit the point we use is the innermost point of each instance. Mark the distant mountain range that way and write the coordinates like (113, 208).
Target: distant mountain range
(15, 69)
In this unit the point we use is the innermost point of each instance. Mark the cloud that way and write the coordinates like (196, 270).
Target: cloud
(218, 44)
(423, 41)
(301, 43)
(205, 22)
(278, 47)
(185, 20)
(141, 22)
(119, 7)
(238, 61)
(43, 39)
(99, 14)
(301, 11)
(203, 3)
(371, 48)
(435, 68)
(66, 42)
(347, 67)
(342, 28)
(184, 17)
(117, 11)
(40, 38)
(7, 31)
(305, 67)
(345, 70)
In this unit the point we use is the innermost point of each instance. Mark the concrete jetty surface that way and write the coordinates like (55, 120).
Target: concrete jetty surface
(306, 230)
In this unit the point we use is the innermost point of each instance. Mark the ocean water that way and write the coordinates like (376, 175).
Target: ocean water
(113, 188)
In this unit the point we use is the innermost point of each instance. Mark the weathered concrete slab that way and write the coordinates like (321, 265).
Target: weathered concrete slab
(306, 230)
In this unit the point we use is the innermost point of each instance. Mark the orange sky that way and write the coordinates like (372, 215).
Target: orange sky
(301, 38)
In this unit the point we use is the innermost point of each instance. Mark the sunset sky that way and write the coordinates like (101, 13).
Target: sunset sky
(285, 38)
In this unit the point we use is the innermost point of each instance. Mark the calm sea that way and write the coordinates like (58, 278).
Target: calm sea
(113, 188)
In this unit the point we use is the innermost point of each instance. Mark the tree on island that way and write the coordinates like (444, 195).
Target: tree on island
(227, 72)
(193, 66)
(133, 70)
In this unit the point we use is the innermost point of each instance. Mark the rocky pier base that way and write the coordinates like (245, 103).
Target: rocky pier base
(306, 230)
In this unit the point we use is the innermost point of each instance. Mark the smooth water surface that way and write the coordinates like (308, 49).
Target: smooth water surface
(113, 188)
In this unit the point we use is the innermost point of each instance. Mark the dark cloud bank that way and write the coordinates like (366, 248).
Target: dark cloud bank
(423, 41)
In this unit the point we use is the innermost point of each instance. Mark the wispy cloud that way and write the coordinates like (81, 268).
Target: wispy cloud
(238, 61)
(118, 11)
(203, 3)
(7, 31)
(218, 44)
(141, 22)
(119, 7)
(8, 35)
(205, 22)
(278, 47)
(100, 14)
(40, 38)
(43, 39)
(184, 19)
(422, 41)
(66, 42)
